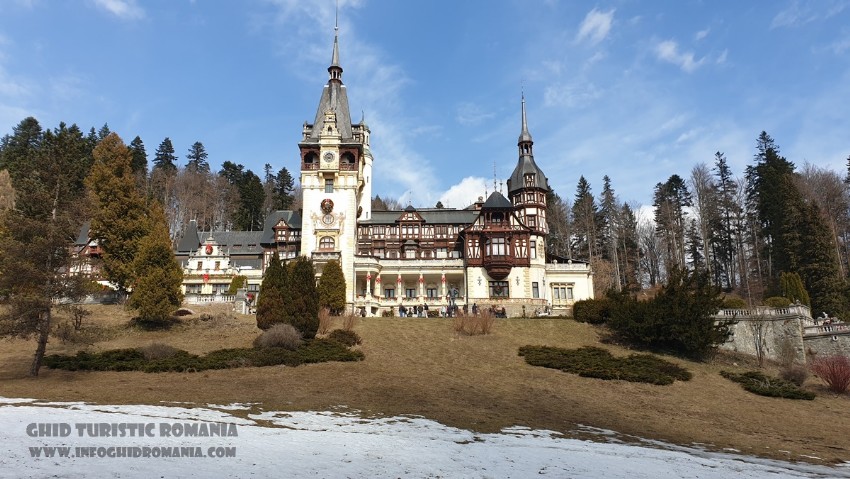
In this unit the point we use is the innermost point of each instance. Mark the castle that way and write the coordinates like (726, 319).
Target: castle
(491, 254)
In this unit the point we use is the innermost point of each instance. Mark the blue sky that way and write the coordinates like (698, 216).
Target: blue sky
(637, 90)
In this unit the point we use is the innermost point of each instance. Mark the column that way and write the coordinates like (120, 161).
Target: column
(368, 285)
(443, 285)
(398, 288)
(421, 286)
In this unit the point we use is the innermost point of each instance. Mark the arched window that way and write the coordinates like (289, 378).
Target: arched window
(326, 243)
(311, 158)
(347, 158)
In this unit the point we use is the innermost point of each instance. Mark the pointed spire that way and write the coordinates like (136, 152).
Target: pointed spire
(335, 70)
(524, 136)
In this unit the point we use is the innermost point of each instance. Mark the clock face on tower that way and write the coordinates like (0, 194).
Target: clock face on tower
(328, 157)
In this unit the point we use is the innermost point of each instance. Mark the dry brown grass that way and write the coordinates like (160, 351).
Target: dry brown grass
(420, 366)
(325, 321)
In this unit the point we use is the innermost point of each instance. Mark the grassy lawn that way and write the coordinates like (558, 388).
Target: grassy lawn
(422, 367)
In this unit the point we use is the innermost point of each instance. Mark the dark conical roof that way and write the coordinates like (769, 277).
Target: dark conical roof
(526, 164)
(334, 98)
(497, 200)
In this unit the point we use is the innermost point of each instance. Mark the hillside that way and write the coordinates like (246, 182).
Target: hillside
(421, 367)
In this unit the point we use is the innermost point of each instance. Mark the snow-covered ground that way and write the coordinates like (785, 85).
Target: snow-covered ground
(331, 444)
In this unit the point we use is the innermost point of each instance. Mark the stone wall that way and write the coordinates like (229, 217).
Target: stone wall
(826, 344)
(774, 332)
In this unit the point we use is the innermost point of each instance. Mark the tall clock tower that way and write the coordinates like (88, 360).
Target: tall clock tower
(336, 178)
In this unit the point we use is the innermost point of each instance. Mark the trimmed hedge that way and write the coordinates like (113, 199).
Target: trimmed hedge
(757, 383)
(314, 351)
(777, 302)
(593, 362)
(593, 311)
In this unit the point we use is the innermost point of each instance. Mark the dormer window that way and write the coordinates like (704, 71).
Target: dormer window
(529, 180)
(496, 218)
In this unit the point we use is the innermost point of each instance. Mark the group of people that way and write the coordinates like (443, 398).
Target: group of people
(420, 311)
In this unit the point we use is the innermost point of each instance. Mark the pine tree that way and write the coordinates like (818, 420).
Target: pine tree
(139, 161)
(283, 187)
(671, 199)
(164, 158)
(609, 220)
(819, 264)
(724, 226)
(585, 218)
(332, 288)
(119, 220)
(35, 235)
(301, 301)
(18, 150)
(270, 304)
(197, 157)
(156, 291)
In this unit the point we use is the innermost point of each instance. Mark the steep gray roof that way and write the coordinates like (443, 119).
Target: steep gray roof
(292, 218)
(239, 242)
(83, 237)
(526, 164)
(497, 201)
(190, 240)
(334, 98)
(431, 216)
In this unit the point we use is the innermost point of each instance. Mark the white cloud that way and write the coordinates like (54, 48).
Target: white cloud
(570, 96)
(124, 9)
(799, 13)
(841, 45)
(702, 34)
(595, 26)
(469, 113)
(668, 51)
(722, 58)
(465, 193)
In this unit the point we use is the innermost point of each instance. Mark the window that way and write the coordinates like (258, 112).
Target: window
(410, 293)
(217, 265)
(535, 290)
(534, 251)
(569, 293)
(496, 247)
(531, 221)
(431, 292)
(499, 289)
(326, 243)
(442, 253)
(329, 185)
(193, 289)
(410, 253)
(389, 293)
(379, 252)
(200, 264)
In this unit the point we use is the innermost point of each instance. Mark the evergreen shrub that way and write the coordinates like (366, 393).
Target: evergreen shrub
(345, 336)
(593, 311)
(734, 302)
(594, 362)
(777, 302)
(758, 383)
(314, 351)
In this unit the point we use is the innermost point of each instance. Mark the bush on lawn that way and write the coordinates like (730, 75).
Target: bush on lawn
(345, 336)
(758, 383)
(280, 335)
(598, 363)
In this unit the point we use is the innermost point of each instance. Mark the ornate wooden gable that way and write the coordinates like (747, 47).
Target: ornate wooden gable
(497, 240)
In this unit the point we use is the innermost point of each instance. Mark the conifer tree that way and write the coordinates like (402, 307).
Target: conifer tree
(270, 304)
(156, 290)
(585, 217)
(301, 301)
(332, 288)
(197, 157)
(35, 235)
(119, 220)
(792, 288)
(164, 158)
(18, 150)
(139, 161)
